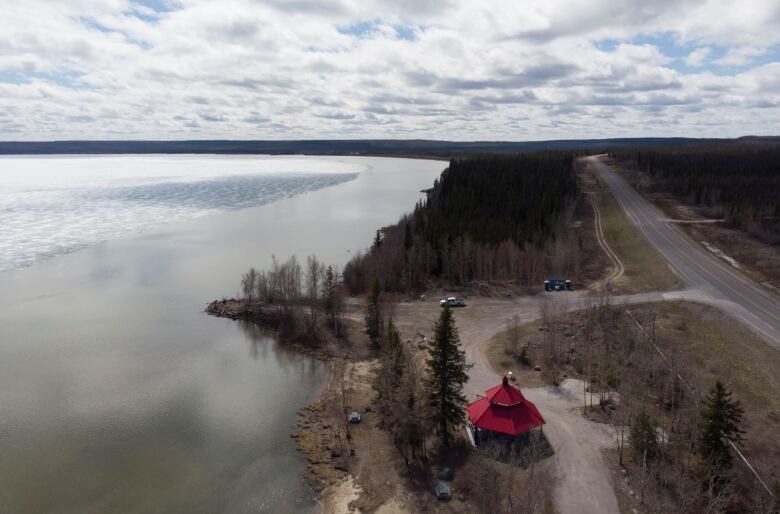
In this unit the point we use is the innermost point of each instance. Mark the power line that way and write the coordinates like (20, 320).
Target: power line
(690, 390)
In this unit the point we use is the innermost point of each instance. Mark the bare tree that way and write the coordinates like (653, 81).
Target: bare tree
(513, 334)
(249, 287)
(488, 476)
(413, 431)
(313, 277)
(554, 314)
(510, 479)
(292, 297)
(539, 484)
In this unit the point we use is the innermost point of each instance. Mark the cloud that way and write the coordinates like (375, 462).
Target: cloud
(431, 69)
(740, 56)
(698, 57)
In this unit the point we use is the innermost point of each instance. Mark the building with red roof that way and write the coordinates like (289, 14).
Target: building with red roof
(504, 410)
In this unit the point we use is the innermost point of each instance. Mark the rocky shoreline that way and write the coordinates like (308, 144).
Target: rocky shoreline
(236, 310)
(314, 433)
(317, 431)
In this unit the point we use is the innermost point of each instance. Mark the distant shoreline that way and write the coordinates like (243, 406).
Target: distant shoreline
(412, 148)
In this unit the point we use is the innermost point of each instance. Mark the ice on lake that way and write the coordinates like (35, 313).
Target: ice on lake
(57, 204)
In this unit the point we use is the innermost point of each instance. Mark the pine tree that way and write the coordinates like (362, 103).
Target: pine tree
(720, 420)
(408, 238)
(643, 439)
(332, 300)
(377, 240)
(328, 287)
(373, 318)
(447, 373)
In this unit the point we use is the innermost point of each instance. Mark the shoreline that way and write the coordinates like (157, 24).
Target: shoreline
(232, 309)
(327, 473)
(333, 486)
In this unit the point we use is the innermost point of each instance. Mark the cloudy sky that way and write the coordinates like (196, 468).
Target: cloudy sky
(439, 69)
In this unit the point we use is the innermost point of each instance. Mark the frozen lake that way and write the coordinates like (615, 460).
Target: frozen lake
(55, 205)
(117, 394)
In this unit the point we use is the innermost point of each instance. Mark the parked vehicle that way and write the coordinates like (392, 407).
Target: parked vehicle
(558, 284)
(354, 417)
(453, 302)
(443, 491)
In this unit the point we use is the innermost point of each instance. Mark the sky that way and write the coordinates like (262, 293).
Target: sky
(356, 69)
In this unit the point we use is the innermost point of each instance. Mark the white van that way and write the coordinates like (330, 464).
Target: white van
(453, 302)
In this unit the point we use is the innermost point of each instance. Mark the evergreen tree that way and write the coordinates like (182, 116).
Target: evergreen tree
(328, 286)
(720, 420)
(408, 238)
(332, 300)
(447, 373)
(377, 240)
(644, 442)
(373, 318)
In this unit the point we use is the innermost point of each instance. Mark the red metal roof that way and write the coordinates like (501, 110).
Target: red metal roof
(504, 409)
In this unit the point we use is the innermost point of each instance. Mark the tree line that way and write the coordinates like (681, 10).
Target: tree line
(487, 217)
(736, 181)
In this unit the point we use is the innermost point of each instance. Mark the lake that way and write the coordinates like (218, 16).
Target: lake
(117, 393)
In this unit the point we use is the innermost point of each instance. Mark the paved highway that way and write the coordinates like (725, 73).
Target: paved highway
(702, 271)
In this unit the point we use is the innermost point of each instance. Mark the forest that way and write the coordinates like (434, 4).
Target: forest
(739, 182)
(487, 217)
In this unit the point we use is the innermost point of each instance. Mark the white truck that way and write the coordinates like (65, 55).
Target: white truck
(453, 302)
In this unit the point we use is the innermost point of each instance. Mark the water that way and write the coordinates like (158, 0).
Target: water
(117, 394)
